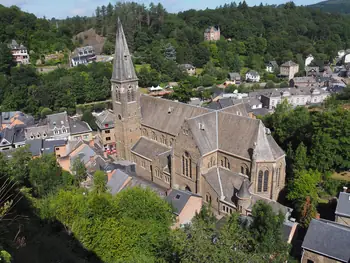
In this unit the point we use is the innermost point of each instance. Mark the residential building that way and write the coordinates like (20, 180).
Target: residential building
(342, 212)
(212, 33)
(79, 130)
(188, 68)
(309, 60)
(303, 82)
(327, 242)
(289, 69)
(312, 71)
(19, 53)
(302, 96)
(185, 205)
(105, 124)
(234, 77)
(252, 76)
(204, 151)
(15, 119)
(271, 66)
(83, 56)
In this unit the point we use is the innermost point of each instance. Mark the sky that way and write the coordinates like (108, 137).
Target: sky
(65, 8)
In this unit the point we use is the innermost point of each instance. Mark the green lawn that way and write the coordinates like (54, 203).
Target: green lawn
(343, 176)
(143, 90)
(139, 66)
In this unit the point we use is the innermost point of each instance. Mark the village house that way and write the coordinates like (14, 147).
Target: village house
(342, 212)
(15, 119)
(117, 181)
(212, 33)
(234, 78)
(309, 60)
(326, 241)
(252, 76)
(303, 82)
(185, 204)
(83, 56)
(211, 153)
(105, 124)
(188, 68)
(271, 66)
(312, 71)
(19, 53)
(289, 69)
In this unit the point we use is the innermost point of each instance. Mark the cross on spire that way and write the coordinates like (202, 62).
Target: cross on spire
(123, 68)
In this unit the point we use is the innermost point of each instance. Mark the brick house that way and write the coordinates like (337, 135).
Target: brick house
(212, 33)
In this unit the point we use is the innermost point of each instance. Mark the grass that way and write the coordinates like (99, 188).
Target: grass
(139, 66)
(199, 71)
(343, 176)
(143, 90)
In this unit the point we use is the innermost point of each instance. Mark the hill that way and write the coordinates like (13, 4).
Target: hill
(333, 6)
(90, 38)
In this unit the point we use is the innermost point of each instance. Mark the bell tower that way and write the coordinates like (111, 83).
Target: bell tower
(125, 97)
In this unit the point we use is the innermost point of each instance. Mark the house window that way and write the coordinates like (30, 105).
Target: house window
(260, 180)
(186, 165)
(57, 149)
(108, 138)
(106, 125)
(64, 130)
(309, 261)
(266, 180)
(107, 131)
(208, 198)
(143, 164)
(225, 163)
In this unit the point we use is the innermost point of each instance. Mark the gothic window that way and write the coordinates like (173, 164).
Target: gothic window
(266, 180)
(225, 163)
(157, 173)
(260, 180)
(211, 162)
(131, 94)
(163, 139)
(117, 94)
(244, 169)
(278, 175)
(207, 198)
(186, 165)
(154, 136)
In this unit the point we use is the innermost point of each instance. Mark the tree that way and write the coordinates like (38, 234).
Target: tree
(300, 160)
(170, 52)
(79, 170)
(100, 180)
(236, 64)
(90, 119)
(18, 165)
(183, 92)
(44, 174)
(6, 60)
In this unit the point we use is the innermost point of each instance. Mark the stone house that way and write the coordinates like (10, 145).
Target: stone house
(211, 153)
(185, 205)
(271, 66)
(303, 82)
(234, 78)
(105, 126)
(252, 76)
(289, 69)
(212, 33)
(83, 56)
(188, 68)
(342, 212)
(327, 242)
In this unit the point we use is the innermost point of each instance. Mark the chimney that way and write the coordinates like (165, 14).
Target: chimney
(345, 189)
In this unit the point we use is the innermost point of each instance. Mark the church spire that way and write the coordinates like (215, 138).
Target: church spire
(123, 68)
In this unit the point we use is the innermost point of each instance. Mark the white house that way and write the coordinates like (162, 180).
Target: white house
(252, 76)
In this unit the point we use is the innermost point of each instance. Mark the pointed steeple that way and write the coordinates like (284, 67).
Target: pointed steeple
(123, 68)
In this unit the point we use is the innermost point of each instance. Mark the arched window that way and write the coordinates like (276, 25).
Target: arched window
(225, 163)
(266, 180)
(157, 173)
(186, 165)
(154, 136)
(260, 180)
(131, 95)
(278, 175)
(207, 198)
(187, 188)
(163, 139)
(117, 94)
(244, 169)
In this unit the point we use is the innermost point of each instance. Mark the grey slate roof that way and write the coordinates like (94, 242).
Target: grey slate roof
(78, 126)
(117, 181)
(36, 131)
(50, 144)
(253, 73)
(260, 112)
(105, 120)
(234, 76)
(287, 92)
(58, 120)
(243, 192)
(237, 109)
(178, 199)
(148, 148)
(84, 154)
(123, 68)
(343, 206)
(289, 64)
(165, 115)
(329, 239)
(19, 136)
(7, 136)
(35, 146)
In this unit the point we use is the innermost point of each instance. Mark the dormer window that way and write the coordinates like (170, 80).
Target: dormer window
(64, 130)
(106, 125)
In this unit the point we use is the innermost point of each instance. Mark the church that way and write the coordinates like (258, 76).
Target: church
(228, 158)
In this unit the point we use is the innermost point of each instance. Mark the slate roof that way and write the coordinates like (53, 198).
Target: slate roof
(343, 206)
(58, 120)
(329, 239)
(253, 73)
(35, 146)
(118, 181)
(243, 192)
(237, 109)
(36, 131)
(78, 126)
(178, 199)
(123, 68)
(234, 76)
(187, 66)
(285, 91)
(19, 136)
(289, 64)
(7, 134)
(50, 144)
(260, 112)
(84, 152)
(103, 118)
(165, 115)
(148, 148)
